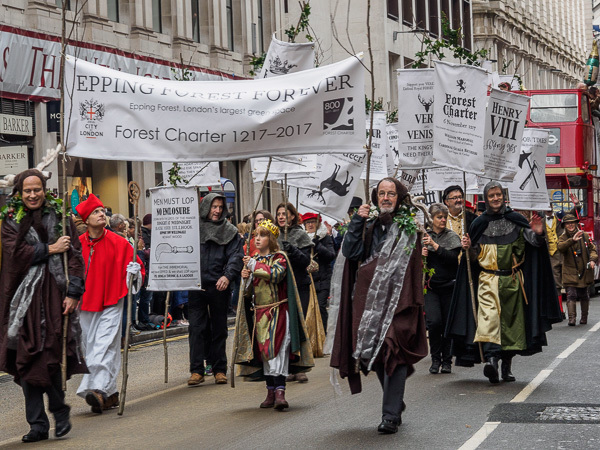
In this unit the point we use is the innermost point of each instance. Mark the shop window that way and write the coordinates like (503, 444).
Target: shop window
(421, 15)
(113, 10)
(157, 16)
(195, 21)
(392, 10)
(456, 14)
(467, 26)
(407, 12)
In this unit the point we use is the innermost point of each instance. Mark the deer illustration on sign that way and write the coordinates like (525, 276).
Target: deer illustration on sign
(333, 185)
(427, 104)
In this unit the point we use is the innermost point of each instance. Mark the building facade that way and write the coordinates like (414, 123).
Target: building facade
(546, 42)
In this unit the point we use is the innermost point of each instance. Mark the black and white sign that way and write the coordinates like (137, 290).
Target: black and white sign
(287, 57)
(175, 253)
(379, 147)
(118, 116)
(197, 174)
(415, 118)
(439, 178)
(13, 159)
(528, 189)
(459, 116)
(505, 122)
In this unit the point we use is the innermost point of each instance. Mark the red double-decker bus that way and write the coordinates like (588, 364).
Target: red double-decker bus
(572, 159)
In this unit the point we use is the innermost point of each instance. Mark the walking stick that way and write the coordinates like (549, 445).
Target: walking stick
(234, 350)
(469, 274)
(134, 196)
(285, 203)
(165, 336)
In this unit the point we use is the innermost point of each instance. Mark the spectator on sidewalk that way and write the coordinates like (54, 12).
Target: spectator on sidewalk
(145, 296)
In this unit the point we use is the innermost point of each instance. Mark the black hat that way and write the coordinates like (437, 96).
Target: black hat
(450, 189)
(355, 203)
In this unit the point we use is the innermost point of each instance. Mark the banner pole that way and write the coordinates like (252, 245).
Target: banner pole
(234, 350)
(468, 257)
(165, 347)
(285, 202)
(134, 196)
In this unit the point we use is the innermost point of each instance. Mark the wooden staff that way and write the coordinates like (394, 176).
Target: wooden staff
(469, 274)
(285, 203)
(165, 336)
(63, 40)
(134, 196)
(234, 350)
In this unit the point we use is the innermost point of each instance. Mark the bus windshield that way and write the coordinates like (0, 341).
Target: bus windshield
(552, 108)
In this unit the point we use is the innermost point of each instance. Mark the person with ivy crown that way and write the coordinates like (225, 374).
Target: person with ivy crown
(272, 338)
(380, 323)
(34, 297)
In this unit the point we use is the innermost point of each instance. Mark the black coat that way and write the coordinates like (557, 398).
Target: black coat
(354, 247)
(324, 254)
(221, 260)
(541, 311)
(299, 259)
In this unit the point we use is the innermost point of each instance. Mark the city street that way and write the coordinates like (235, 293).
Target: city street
(443, 411)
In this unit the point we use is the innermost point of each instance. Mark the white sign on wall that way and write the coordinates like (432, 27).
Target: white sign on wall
(13, 159)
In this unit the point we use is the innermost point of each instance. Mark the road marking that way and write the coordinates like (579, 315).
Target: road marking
(487, 428)
(481, 435)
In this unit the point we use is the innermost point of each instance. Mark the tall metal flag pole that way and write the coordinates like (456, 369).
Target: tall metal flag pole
(234, 351)
(167, 301)
(134, 197)
(468, 257)
(63, 44)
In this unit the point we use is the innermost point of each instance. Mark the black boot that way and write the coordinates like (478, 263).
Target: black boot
(446, 367)
(435, 366)
(506, 369)
(490, 369)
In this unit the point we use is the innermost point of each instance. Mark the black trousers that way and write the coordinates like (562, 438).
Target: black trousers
(323, 296)
(304, 292)
(437, 305)
(393, 391)
(208, 308)
(34, 404)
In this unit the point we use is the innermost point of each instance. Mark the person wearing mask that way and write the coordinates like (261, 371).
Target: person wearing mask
(441, 248)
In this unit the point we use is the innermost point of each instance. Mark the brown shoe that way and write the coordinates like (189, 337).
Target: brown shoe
(301, 377)
(270, 400)
(220, 378)
(195, 379)
(291, 377)
(112, 401)
(280, 401)
(96, 400)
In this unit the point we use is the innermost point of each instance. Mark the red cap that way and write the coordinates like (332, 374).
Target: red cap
(309, 216)
(468, 204)
(84, 209)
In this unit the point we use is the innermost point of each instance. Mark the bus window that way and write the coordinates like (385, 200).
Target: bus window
(551, 108)
(561, 202)
(585, 109)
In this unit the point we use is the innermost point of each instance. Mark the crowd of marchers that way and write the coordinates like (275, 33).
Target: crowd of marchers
(481, 287)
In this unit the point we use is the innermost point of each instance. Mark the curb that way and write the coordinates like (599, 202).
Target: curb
(157, 335)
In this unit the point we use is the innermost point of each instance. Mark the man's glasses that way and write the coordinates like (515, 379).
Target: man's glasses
(387, 194)
(459, 197)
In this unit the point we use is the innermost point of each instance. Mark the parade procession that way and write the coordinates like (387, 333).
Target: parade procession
(279, 224)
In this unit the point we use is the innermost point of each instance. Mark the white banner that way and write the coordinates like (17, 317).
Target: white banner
(175, 253)
(393, 153)
(292, 166)
(459, 116)
(287, 57)
(505, 121)
(528, 190)
(416, 190)
(118, 116)
(197, 174)
(415, 118)
(30, 63)
(379, 156)
(439, 178)
(336, 185)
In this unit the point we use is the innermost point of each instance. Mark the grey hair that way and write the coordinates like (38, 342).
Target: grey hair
(116, 220)
(438, 208)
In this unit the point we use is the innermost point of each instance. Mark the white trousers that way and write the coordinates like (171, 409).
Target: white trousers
(102, 347)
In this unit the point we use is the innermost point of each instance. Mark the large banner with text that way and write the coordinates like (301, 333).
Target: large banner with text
(118, 116)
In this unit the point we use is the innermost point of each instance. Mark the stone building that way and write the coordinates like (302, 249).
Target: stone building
(547, 42)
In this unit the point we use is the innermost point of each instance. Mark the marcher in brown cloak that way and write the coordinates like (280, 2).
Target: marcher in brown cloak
(34, 296)
(381, 327)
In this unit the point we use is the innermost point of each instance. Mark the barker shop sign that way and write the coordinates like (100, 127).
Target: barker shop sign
(16, 125)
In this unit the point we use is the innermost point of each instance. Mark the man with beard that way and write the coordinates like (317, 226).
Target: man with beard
(514, 290)
(34, 297)
(221, 262)
(380, 322)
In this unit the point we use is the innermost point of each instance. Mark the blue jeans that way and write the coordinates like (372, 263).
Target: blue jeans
(144, 309)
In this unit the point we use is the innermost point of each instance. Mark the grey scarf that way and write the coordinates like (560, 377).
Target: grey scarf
(296, 236)
(221, 232)
(35, 275)
(447, 239)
